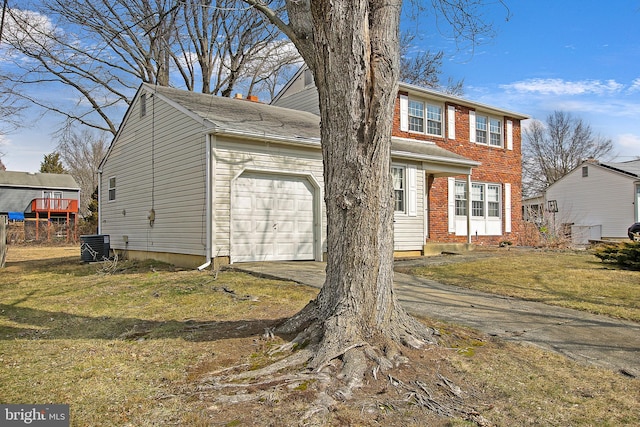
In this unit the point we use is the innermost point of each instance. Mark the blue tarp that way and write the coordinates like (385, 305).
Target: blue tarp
(16, 216)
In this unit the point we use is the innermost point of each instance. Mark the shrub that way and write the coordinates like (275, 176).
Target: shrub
(625, 254)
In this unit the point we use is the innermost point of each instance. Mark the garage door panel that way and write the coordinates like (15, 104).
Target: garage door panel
(277, 223)
(305, 227)
(263, 227)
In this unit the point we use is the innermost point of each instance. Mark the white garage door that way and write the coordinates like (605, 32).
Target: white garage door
(271, 218)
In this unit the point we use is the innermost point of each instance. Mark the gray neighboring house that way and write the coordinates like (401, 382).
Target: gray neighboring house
(27, 195)
(599, 200)
(193, 179)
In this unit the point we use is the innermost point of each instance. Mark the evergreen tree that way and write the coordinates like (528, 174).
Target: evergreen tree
(52, 164)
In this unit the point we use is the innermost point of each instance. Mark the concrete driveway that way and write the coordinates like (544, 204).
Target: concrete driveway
(584, 337)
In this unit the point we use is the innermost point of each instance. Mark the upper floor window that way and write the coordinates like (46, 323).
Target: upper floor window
(416, 116)
(399, 186)
(488, 131)
(421, 117)
(143, 105)
(585, 171)
(112, 188)
(434, 120)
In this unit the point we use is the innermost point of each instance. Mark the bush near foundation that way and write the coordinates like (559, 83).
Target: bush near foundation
(625, 254)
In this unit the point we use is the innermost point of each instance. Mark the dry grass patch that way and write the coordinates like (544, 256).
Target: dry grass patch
(138, 348)
(573, 279)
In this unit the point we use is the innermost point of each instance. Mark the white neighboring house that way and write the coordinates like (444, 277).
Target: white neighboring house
(192, 179)
(599, 200)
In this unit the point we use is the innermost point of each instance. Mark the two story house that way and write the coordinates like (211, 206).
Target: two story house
(40, 197)
(193, 179)
(478, 200)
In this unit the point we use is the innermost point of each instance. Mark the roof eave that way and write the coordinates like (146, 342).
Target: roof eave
(461, 101)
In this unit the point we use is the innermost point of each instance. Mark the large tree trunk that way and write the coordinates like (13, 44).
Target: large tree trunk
(354, 59)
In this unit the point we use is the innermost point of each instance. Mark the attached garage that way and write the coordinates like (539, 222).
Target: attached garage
(273, 217)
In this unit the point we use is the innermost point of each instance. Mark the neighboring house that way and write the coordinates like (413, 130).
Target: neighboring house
(192, 178)
(33, 196)
(596, 200)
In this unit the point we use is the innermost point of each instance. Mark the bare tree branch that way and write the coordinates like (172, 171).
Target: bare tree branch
(552, 149)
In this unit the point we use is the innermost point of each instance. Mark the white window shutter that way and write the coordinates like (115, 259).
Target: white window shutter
(507, 208)
(451, 204)
(472, 126)
(412, 192)
(404, 113)
(509, 135)
(451, 121)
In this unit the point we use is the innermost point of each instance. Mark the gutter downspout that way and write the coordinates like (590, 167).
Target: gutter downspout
(208, 215)
(469, 208)
(99, 230)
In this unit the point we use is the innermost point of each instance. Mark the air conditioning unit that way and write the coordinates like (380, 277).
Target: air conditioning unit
(94, 247)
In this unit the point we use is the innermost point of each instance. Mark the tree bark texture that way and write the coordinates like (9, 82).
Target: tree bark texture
(352, 49)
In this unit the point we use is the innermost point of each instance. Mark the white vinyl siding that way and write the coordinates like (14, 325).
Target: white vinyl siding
(160, 163)
(637, 203)
(604, 198)
(172, 182)
(409, 223)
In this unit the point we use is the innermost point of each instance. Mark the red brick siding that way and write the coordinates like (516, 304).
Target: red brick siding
(498, 165)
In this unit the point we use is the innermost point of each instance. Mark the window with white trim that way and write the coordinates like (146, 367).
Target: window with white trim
(488, 131)
(112, 188)
(461, 198)
(399, 187)
(477, 200)
(417, 111)
(143, 105)
(493, 201)
(485, 200)
(416, 116)
(434, 120)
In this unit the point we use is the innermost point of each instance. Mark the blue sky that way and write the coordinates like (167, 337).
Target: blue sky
(581, 57)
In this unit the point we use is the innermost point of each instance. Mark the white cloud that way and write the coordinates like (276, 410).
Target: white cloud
(562, 87)
(629, 141)
(635, 85)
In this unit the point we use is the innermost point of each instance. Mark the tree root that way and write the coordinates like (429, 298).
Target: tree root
(335, 377)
